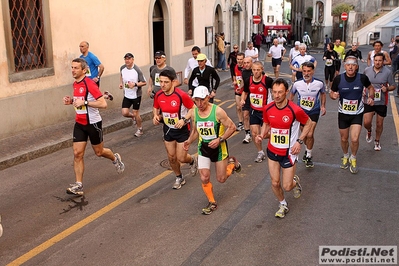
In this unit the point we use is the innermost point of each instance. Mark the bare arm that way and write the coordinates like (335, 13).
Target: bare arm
(296, 148)
(370, 99)
(387, 60)
(156, 116)
(193, 134)
(150, 85)
(100, 70)
(369, 59)
(264, 133)
(228, 124)
(99, 103)
(323, 99)
(121, 82)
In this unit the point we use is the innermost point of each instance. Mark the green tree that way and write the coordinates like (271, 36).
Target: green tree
(344, 7)
(309, 12)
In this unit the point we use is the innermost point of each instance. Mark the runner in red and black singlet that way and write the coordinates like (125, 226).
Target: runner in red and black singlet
(171, 106)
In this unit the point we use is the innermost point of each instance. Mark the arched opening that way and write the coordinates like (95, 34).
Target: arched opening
(158, 36)
(218, 26)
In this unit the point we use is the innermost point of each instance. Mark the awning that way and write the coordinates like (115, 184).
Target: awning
(277, 27)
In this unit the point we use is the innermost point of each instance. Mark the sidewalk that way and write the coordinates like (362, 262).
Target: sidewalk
(39, 142)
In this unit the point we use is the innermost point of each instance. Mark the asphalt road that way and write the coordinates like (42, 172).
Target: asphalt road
(137, 218)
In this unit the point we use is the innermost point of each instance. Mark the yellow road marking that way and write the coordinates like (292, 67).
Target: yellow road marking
(222, 103)
(232, 105)
(57, 238)
(395, 115)
(42, 247)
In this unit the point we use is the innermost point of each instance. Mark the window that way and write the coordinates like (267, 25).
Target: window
(27, 49)
(389, 3)
(270, 19)
(188, 22)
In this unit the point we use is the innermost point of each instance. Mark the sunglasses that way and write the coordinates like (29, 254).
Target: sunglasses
(156, 58)
(235, 47)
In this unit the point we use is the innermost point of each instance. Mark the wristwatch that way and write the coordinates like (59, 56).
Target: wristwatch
(221, 139)
(186, 121)
(86, 103)
(300, 141)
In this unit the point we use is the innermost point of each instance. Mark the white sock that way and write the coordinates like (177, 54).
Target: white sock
(283, 202)
(308, 153)
(353, 156)
(346, 155)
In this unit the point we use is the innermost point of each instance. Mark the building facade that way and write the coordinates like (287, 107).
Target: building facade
(41, 38)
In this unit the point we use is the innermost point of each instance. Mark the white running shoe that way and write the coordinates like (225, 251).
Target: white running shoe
(261, 156)
(369, 138)
(377, 146)
(139, 132)
(180, 181)
(247, 138)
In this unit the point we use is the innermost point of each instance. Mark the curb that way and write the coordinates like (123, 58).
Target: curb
(66, 142)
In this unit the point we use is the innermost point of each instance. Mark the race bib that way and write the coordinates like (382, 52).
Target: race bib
(82, 109)
(88, 73)
(170, 119)
(307, 102)
(279, 138)
(206, 130)
(156, 82)
(239, 80)
(329, 62)
(377, 95)
(256, 100)
(127, 85)
(349, 106)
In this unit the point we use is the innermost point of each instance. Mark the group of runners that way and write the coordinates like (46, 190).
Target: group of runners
(265, 110)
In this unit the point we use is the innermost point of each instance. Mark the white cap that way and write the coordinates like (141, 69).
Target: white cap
(201, 92)
(297, 43)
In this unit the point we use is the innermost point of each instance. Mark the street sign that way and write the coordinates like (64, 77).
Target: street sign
(344, 16)
(256, 19)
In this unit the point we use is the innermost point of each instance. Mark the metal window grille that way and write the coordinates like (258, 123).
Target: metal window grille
(188, 19)
(27, 29)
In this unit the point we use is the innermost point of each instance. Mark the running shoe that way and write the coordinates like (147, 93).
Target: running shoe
(247, 138)
(180, 181)
(353, 166)
(194, 166)
(108, 95)
(304, 157)
(139, 132)
(369, 138)
(298, 188)
(212, 206)
(120, 167)
(309, 162)
(237, 165)
(240, 126)
(261, 156)
(282, 210)
(1, 228)
(75, 189)
(377, 146)
(344, 163)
